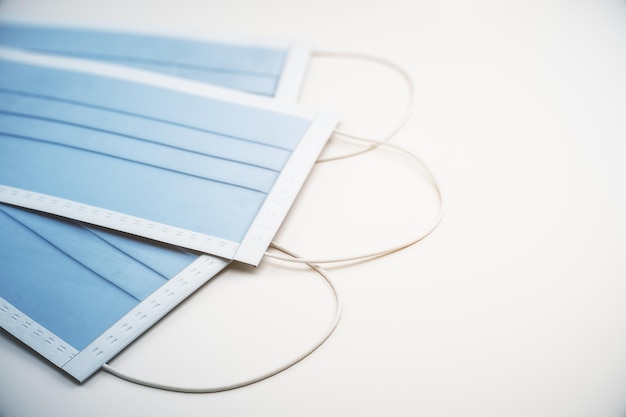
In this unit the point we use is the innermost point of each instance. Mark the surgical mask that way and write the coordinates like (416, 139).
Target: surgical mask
(78, 295)
(212, 171)
(269, 68)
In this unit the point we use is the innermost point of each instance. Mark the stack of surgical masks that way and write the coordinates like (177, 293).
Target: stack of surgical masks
(134, 168)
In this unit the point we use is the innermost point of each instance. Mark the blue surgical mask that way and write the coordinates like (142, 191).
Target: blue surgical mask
(202, 172)
(68, 290)
(272, 69)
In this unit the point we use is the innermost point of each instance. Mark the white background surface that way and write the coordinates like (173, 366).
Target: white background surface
(514, 307)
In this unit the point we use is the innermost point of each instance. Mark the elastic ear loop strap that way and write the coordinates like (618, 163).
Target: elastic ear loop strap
(379, 253)
(333, 325)
(404, 117)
